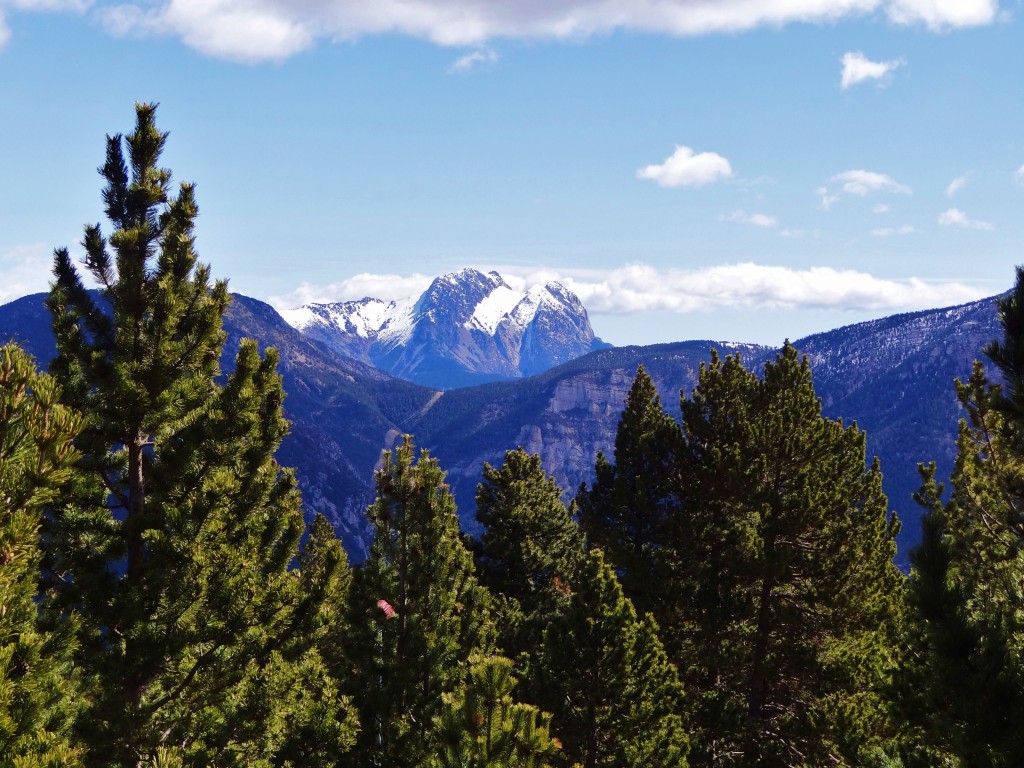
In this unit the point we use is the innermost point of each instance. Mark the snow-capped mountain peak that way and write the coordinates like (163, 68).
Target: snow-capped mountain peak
(467, 326)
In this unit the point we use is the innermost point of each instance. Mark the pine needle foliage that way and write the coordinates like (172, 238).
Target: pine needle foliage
(530, 544)
(38, 688)
(632, 502)
(482, 727)
(964, 681)
(788, 597)
(174, 540)
(604, 675)
(417, 613)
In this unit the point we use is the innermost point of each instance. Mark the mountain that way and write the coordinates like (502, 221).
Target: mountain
(466, 328)
(893, 376)
(343, 412)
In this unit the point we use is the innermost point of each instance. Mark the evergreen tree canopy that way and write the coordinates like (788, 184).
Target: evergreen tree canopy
(604, 675)
(788, 596)
(417, 613)
(632, 502)
(482, 727)
(38, 688)
(964, 683)
(175, 538)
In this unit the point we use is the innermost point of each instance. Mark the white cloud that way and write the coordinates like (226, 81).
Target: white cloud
(75, 6)
(954, 217)
(882, 208)
(24, 269)
(860, 183)
(906, 229)
(1019, 175)
(361, 286)
(471, 60)
(757, 219)
(685, 169)
(638, 288)
(940, 15)
(857, 68)
(225, 29)
(642, 288)
(257, 30)
(956, 185)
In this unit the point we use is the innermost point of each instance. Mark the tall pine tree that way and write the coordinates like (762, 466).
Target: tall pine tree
(417, 614)
(528, 547)
(38, 686)
(964, 683)
(632, 502)
(783, 567)
(174, 542)
(604, 675)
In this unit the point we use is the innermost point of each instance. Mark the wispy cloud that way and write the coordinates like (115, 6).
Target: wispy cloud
(857, 68)
(364, 285)
(277, 29)
(860, 183)
(685, 169)
(906, 229)
(1018, 175)
(957, 184)
(954, 217)
(757, 219)
(24, 269)
(882, 208)
(641, 288)
(474, 59)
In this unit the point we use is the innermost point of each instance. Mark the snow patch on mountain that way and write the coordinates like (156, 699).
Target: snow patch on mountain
(498, 305)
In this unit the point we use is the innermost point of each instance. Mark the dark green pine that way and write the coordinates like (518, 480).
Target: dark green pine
(481, 726)
(633, 501)
(963, 683)
(417, 614)
(604, 675)
(528, 547)
(39, 688)
(173, 542)
(788, 599)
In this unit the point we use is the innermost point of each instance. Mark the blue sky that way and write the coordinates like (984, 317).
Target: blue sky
(693, 169)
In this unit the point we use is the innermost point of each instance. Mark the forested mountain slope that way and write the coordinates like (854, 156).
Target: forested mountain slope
(894, 376)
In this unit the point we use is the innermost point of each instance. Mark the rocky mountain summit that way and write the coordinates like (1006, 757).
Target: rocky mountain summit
(466, 328)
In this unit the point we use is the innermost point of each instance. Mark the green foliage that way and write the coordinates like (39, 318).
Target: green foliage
(174, 540)
(632, 502)
(38, 688)
(407, 652)
(604, 675)
(788, 600)
(964, 684)
(481, 726)
(529, 545)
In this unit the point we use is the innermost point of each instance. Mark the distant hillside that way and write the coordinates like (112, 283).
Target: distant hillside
(893, 376)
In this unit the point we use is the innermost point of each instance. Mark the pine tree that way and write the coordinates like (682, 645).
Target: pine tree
(417, 613)
(632, 502)
(964, 684)
(604, 675)
(482, 727)
(783, 565)
(38, 686)
(529, 545)
(174, 541)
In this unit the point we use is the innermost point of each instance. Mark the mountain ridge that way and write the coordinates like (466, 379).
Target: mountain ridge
(894, 376)
(466, 328)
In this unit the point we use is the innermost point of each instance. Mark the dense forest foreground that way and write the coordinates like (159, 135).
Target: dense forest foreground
(723, 593)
